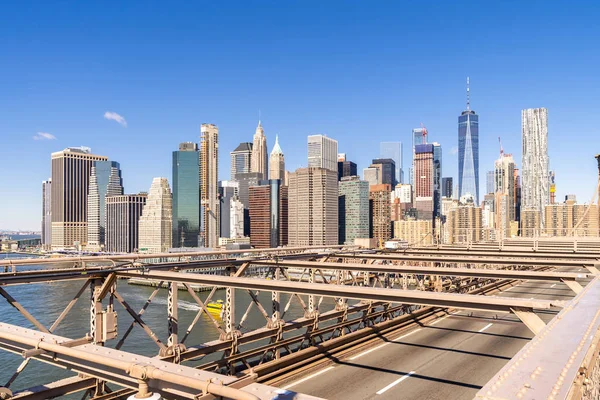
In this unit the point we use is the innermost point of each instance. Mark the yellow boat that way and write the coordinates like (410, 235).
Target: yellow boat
(216, 308)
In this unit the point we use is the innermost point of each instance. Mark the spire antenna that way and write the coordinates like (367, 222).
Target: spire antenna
(468, 95)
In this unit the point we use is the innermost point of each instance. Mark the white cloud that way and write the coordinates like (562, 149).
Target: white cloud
(44, 136)
(113, 116)
(454, 150)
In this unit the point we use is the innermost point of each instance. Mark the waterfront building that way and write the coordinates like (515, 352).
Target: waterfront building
(123, 214)
(535, 191)
(260, 157)
(447, 187)
(186, 196)
(393, 150)
(46, 238)
(468, 151)
(269, 214)
(313, 207)
(71, 170)
(277, 163)
(209, 185)
(380, 212)
(322, 152)
(353, 206)
(156, 222)
(227, 191)
(387, 168)
(415, 232)
(241, 159)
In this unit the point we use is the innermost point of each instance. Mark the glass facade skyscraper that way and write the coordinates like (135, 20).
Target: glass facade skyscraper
(105, 180)
(186, 196)
(393, 150)
(468, 152)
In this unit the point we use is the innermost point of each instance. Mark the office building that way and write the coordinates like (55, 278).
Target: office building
(322, 152)
(277, 163)
(464, 224)
(238, 227)
(388, 170)
(209, 185)
(419, 136)
(47, 214)
(504, 189)
(353, 206)
(552, 187)
(71, 170)
(423, 188)
(260, 157)
(345, 167)
(371, 175)
(241, 159)
(437, 179)
(393, 150)
(468, 151)
(489, 182)
(313, 207)
(269, 214)
(156, 222)
(380, 212)
(415, 232)
(123, 214)
(228, 190)
(244, 183)
(447, 187)
(186, 196)
(535, 189)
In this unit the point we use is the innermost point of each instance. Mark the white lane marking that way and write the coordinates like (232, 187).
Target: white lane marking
(397, 381)
(438, 320)
(381, 345)
(554, 284)
(485, 327)
(308, 377)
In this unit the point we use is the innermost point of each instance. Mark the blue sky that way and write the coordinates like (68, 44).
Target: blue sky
(360, 72)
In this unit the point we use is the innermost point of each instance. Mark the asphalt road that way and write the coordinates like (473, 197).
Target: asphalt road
(450, 358)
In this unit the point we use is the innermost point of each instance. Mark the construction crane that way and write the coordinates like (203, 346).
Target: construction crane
(424, 133)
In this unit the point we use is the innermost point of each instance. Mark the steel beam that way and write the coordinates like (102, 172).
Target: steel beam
(56, 389)
(506, 252)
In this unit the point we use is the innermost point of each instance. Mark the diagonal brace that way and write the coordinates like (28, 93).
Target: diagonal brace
(530, 319)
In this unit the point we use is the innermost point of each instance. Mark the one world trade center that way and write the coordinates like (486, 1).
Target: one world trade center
(468, 152)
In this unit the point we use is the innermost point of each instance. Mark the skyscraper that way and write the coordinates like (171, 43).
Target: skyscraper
(393, 150)
(322, 152)
(123, 214)
(437, 179)
(372, 176)
(241, 159)
(47, 213)
(227, 192)
(423, 176)
(489, 182)
(346, 168)
(260, 157)
(269, 214)
(70, 183)
(353, 206)
(535, 188)
(209, 183)
(186, 195)
(313, 207)
(419, 136)
(380, 208)
(447, 187)
(388, 170)
(468, 151)
(156, 222)
(277, 163)
(105, 180)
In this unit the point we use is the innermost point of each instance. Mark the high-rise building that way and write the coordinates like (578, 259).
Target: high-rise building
(353, 206)
(71, 169)
(260, 157)
(209, 183)
(535, 191)
(380, 212)
(570, 219)
(447, 187)
(156, 222)
(346, 168)
(464, 224)
(489, 182)
(552, 187)
(123, 214)
(423, 187)
(269, 214)
(415, 232)
(105, 180)
(186, 195)
(388, 170)
(517, 196)
(419, 136)
(237, 228)
(504, 189)
(313, 207)
(47, 214)
(531, 220)
(393, 150)
(228, 190)
(277, 163)
(468, 151)
(322, 152)
(241, 159)
(437, 179)
(372, 175)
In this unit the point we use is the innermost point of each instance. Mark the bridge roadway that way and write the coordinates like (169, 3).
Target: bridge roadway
(449, 358)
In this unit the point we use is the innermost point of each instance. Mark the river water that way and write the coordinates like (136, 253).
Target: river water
(46, 301)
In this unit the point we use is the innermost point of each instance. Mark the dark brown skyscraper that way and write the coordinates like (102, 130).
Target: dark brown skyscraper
(268, 214)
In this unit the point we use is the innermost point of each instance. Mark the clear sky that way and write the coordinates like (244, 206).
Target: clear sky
(361, 72)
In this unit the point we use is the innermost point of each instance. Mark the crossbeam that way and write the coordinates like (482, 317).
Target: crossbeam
(414, 297)
(407, 269)
(503, 252)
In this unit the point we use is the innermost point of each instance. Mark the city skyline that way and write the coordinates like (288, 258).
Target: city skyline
(143, 99)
